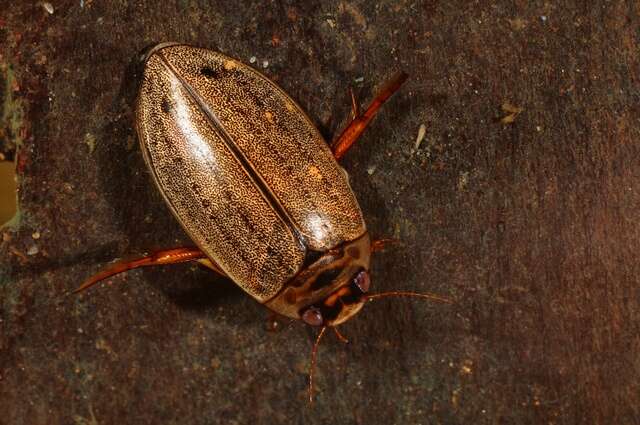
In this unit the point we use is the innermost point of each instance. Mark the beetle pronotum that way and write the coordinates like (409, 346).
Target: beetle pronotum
(256, 187)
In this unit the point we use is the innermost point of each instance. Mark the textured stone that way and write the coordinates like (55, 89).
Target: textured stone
(521, 202)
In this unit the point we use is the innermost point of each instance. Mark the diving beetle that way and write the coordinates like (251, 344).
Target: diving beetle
(255, 186)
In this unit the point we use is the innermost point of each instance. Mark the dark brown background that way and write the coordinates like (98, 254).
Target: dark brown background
(532, 226)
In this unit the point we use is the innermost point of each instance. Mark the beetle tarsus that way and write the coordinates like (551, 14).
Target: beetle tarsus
(355, 106)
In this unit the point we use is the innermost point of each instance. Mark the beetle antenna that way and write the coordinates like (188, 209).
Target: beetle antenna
(426, 295)
(339, 335)
(314, 355)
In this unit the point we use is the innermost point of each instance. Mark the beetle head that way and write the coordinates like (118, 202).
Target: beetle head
(331, 287)
(340, 305)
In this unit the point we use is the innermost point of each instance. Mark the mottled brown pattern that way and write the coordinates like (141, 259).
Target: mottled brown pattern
(280, 142)
(208, 189)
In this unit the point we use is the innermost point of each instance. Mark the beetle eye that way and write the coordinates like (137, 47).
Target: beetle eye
(312, 316)
(362, 281)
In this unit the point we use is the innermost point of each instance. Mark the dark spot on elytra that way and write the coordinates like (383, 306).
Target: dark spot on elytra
(208, 72)
(165, 105)
(282, 126)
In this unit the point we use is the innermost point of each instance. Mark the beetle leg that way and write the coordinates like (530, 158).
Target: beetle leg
(170, 256)
(339, 335)
(355, 128)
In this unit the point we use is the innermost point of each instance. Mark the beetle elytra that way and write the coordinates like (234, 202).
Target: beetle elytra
(255, 185)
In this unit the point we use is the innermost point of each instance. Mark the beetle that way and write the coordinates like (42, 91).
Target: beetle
(255, 186)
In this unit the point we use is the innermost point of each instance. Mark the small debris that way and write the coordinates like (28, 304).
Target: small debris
(371, 169)
(517, 23)
(215, 363)
(331, 23)
(18, 253)
(359, 80)
(422, 131)
(512, 112)
(455, 397)
(265, 64)
(292, 14)
(253, 59)
(543, 18)
(48, 7)
(463, 179)
(103, 345)
(273, 325)
(33, 250)
(90, 141)
(467, 367)
(35, 235)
